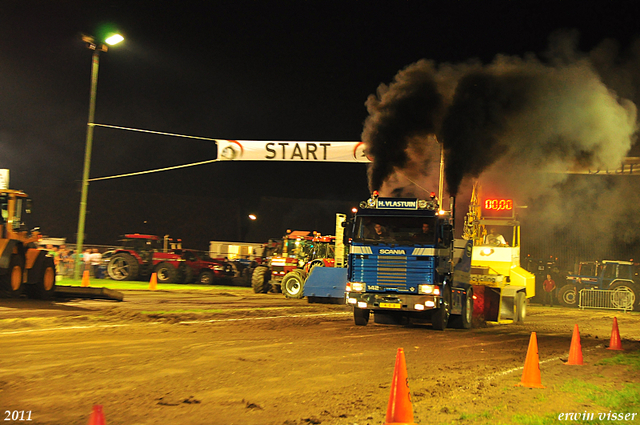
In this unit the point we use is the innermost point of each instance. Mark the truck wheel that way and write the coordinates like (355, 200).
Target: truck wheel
(12, 281)
(521, 307)
(361, 316)
(465, 320)
(45, 285)
(293, 285)
(260, 280)
(568, 296)
(185, 274)
(123, 267)
(440, 317)
(238, 268)
(165, 272)
(247, 272)
(626, 295)
(206, 277)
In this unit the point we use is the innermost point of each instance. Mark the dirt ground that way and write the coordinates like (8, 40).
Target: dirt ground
(234, 357)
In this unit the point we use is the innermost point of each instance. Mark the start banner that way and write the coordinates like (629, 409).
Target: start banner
(253, 150)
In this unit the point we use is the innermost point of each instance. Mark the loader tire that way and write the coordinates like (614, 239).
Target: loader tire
(44, 285)
(11, 283)
(123, 267)
(260, 280)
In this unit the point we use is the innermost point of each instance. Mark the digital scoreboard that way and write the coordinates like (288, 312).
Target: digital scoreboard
(497, 208)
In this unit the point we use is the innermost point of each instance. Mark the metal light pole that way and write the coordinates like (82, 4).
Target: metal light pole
(89, 142)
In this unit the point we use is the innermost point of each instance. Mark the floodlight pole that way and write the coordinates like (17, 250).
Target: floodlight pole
(87, 155)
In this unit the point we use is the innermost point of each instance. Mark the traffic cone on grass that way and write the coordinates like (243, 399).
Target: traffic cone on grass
(97, 416)
(85, 278)
(153, 283)
(531, 373)
(615, 343)
(575, 352)
(400, 410)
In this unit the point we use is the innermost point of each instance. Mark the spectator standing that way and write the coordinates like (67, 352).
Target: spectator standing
(86, 258)
(549, 285)
(71, 261)
(53, 252)
(63, 260)
(95, 259)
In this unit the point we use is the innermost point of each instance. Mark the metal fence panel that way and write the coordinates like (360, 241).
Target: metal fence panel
(617, 299)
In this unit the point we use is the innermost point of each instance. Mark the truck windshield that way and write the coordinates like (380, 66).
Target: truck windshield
(399, 230)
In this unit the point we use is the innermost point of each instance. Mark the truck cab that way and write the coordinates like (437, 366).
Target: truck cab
(401, 264)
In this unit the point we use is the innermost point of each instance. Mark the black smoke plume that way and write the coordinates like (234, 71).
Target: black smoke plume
(520, 126)
(409, 108)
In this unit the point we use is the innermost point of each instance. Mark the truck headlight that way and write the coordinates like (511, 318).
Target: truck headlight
(355, 286)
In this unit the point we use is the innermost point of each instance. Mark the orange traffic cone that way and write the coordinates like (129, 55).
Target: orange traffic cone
(97, 416)
(531, 373)
(153, 283)
(615, 343)
(575, 352)
(85, 278)
(399, 410)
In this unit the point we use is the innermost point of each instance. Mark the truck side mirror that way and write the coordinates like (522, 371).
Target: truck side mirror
(348, 230)
(447, 234)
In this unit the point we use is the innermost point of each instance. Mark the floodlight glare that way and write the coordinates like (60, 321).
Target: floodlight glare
(114, 39)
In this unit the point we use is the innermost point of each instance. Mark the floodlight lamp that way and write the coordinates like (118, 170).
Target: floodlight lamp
(114, 39)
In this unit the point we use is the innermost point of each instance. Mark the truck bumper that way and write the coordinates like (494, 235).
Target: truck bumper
(395, 302)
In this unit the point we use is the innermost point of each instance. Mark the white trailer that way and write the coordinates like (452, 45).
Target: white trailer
(235, 250)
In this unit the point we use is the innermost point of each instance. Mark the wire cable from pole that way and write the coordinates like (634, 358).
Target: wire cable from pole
(157, 170)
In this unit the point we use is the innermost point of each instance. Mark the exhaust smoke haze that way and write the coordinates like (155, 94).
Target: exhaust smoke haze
(518, 125)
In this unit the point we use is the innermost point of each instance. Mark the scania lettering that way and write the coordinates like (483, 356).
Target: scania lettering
(400, 264)
(392, 251)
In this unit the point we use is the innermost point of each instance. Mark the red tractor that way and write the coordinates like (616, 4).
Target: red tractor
(141, 255)
(288, 262)
(320, 252)
(205, 269)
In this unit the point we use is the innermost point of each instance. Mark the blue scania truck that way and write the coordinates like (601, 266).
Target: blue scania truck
(405, 266)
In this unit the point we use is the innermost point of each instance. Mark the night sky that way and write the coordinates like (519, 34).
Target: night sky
(252, 70)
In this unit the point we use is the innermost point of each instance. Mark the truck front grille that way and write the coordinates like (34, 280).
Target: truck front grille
(392, 272)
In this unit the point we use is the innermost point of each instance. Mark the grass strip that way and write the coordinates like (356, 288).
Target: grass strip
(133, 285)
